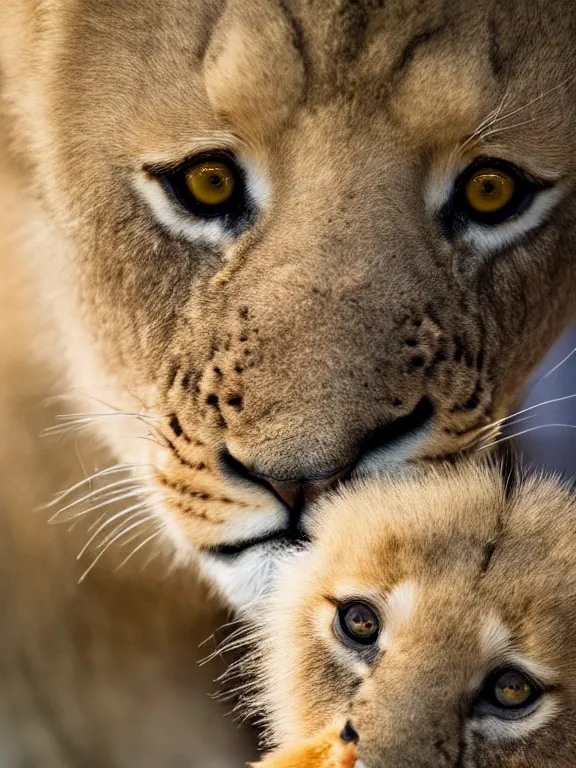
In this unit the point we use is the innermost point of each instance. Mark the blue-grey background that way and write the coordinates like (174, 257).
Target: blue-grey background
(553, 447)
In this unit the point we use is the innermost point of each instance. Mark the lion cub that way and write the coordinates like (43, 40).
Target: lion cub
(436, 614)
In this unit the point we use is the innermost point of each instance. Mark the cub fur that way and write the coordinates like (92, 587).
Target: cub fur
(470, 577)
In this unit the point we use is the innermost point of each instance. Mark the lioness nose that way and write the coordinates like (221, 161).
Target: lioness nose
(294, 493)
(308, 478)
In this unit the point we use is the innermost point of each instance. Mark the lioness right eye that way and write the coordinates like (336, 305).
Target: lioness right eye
(491, 191)
(356, 624)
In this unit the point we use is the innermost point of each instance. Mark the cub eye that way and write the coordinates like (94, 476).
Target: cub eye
(491, 191)
(357, 624)
(510, 692)
(513, 689)
(208, 186)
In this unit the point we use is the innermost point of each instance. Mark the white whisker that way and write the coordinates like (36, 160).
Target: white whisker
(105, 501)
(138, 548)
(102, 492)
(123, 522)
(535, 100)
(553, 370)
(89, 415)
(140, 506)
(486, 123)
(222, 627)
(503, 128)
(525, 432)
(110, 543)
(107, 512)
(505, 419)
(101, 473)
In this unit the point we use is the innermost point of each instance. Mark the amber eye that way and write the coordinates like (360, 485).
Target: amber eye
(358, 622)
(210, 186)
(488, 190)
(211, 182)
(509, 694)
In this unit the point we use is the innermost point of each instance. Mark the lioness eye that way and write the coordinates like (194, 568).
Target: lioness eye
(491, 191)
(488, 190)
(357, 622)
(208, 186)
(211, 183)
(509, 692)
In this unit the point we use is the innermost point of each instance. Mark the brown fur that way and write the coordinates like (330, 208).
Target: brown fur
(344, 304)
(492, 567)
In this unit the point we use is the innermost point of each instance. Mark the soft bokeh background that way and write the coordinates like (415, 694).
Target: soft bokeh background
(551, 439)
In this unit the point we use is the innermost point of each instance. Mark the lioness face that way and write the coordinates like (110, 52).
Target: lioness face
(441, 628)
(308, 238)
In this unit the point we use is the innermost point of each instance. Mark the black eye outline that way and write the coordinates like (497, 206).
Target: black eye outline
(458, 212)
(174, 182)
(487, 702)
(344, 633)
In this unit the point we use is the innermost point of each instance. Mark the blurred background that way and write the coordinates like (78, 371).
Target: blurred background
(547, 433)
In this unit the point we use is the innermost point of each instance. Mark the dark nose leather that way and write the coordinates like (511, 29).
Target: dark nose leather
(294, 493)
(349, 733)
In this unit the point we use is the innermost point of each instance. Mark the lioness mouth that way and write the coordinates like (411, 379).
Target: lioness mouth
(291, 538)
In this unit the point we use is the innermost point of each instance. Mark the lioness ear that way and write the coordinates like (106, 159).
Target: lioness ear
(253, 69)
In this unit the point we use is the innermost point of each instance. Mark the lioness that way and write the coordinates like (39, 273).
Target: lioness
(299, 239)
(435, 613)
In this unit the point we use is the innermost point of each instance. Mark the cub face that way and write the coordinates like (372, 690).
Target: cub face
(302, 239)
(437, 615)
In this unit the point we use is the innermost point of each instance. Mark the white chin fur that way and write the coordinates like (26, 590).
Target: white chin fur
(244, 578)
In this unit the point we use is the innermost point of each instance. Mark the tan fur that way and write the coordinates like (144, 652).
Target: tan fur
(104, 673)
(344, 304)
(466, 579)
(337, 312)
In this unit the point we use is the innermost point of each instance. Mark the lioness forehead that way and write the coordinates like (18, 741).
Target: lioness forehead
(430, 73)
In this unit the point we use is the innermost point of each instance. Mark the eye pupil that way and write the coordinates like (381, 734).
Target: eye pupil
(211, 183)
(358, 622)
(513, 690)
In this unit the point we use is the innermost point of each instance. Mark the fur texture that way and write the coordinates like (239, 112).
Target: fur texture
(102, 674)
